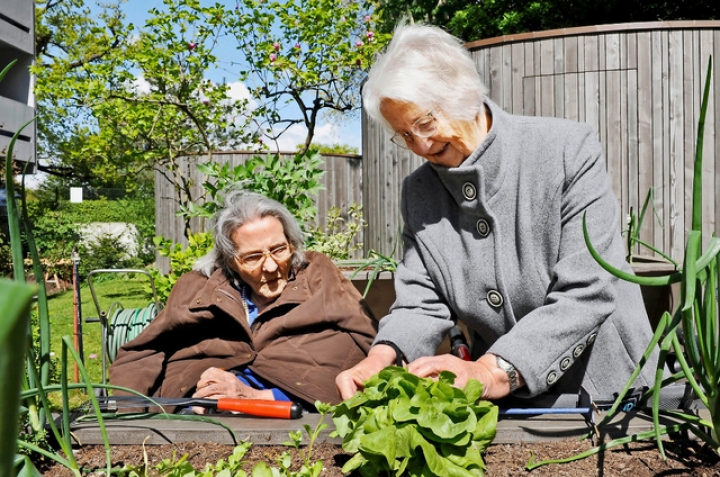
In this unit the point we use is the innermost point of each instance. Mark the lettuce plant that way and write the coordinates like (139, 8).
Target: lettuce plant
(401, 424)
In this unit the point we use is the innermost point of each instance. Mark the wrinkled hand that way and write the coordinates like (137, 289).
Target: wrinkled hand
(351, 380)
(216, 383)
(495, 381)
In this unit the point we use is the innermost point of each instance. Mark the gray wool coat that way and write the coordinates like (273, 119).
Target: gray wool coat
(497, 243)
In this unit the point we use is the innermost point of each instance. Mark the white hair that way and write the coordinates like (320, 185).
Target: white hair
(240, 208)
(427, 67)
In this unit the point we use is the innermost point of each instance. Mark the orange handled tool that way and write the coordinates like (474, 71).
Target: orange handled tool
(250, 407)
(260, 407)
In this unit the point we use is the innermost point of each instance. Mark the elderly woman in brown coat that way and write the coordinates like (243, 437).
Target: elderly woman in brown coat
(258, 318)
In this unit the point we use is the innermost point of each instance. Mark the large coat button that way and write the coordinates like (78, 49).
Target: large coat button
(565, 364)
(469, 191)
(552, 377)
(483, 227)
(578, 351)
(591, 338)
(494, 298)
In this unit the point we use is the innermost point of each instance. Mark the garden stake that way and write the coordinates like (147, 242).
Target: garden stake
(77, 315)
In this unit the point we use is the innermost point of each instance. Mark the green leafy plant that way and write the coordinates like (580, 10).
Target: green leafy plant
(181, 261)
(233, 466)
(105, 251)
(633, 230)
(55, 236)
(374, 263)
(15, 301)
(336, 239)
(16, 344)
(401, 424)
(696, 317)
(294, 182)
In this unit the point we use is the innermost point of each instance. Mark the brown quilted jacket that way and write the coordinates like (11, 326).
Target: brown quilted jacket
(318, 327)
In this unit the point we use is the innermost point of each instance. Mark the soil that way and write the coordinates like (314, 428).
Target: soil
(684, 458)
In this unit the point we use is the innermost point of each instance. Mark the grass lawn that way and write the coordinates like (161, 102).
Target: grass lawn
(124, 289)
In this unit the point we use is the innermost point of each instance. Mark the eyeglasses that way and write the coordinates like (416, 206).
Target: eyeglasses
(254, 260)
(424, 126)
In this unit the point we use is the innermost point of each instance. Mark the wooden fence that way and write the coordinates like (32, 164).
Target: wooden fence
(638, 85)
(342, 184)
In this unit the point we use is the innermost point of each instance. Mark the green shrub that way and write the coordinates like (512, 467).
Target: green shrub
(5, 257)
(336, 239)
(103, 252)
(55, 236)
(181, 261)
(293, 182)
(56, 229)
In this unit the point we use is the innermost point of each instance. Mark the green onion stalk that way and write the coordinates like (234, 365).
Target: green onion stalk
(696, 317)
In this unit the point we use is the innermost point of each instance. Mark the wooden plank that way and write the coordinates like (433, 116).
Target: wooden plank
(570, 55)
(632, 159)
(624, 144)
(602, 108)
(676, 138)
(529, 58)
(631, 51)
(547, 57)
(547, 96)
(529, 95)
(611, 119)
(571, 96)
(570, 87)
(612, 51)
(370, 157)
(711, 194)
(592, 100)
(507, 74)
(591, 53)
(529, 81)
(708, 42)
(659, 106)
(558, 77)
(558, 46)
(581, 79)
(517, 74)
(495, 87)
(691, 107)
(263, 431)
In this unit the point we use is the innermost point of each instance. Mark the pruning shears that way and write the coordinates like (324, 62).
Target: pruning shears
(250, 407)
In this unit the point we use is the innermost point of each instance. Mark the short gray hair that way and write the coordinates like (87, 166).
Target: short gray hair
(427, 67)
(240, 208)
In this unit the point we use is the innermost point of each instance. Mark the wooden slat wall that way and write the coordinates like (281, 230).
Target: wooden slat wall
(342, 183)
(638, 85)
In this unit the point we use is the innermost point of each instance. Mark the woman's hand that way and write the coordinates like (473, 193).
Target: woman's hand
(495, 381)
(350, 380)
(216, 383)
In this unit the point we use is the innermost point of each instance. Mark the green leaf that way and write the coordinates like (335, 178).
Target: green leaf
(381, 442)
(15, 301)
(473, 390)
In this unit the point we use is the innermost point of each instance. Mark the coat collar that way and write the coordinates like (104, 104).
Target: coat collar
(219, 291)
(483, 168)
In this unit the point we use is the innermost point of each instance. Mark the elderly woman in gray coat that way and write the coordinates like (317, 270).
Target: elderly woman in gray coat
(493, 237)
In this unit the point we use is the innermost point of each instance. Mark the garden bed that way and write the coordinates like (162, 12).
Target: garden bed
(686, 458)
